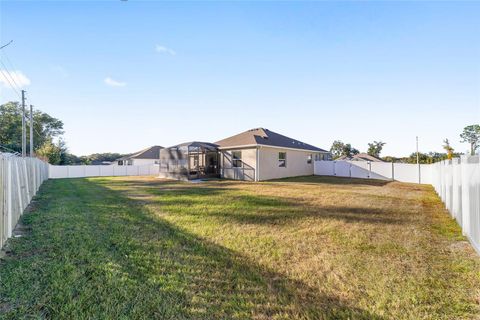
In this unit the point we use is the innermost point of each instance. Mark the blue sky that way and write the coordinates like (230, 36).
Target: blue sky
(126, 75)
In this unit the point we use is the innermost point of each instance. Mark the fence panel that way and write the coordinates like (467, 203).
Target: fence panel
(381, 170)
(457, 190)
(20, 179)
(377, 170)
(324, 168)
(341, 168)
(360, 169)
(457, 183)
(471, 199)
(81, 171)
(406, 172)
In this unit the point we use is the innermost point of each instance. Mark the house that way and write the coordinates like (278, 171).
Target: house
(261, 154)
(361, 157)
(147, 156)
(254, 155)
(100, 163)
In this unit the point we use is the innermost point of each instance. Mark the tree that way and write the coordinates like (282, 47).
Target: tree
(339, 149)
(471, 134)
(100, 157)
(426, 158)
(50, 152)
(448, 148)
(46, 127)
(375, 148)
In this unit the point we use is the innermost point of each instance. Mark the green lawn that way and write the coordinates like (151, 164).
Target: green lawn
(305, 248)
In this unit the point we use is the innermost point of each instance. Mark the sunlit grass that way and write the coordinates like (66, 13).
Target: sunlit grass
(310, 247)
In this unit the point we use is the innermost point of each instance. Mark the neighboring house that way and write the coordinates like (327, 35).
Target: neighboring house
(361, 157)
(147, 156)
(261, 154)
(255, 155)
(100, 163)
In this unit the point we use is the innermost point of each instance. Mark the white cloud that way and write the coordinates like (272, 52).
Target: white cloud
(113, 83)
(17, 78)
(162, 49)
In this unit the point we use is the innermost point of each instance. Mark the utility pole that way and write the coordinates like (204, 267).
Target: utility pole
(418, 163)
(24, 129)
(31, 131)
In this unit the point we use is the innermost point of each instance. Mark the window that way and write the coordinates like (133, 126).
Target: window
(309, 158)
(322, 156)
(282, 159)
(237, 159)
(120, 162)
(129, 162)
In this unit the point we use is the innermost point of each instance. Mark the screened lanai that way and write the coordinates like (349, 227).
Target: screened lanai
(191, 160)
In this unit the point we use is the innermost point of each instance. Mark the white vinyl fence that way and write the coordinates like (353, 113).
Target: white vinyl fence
(457, 183)
(20, 179)
(375, 170)
(82, 171)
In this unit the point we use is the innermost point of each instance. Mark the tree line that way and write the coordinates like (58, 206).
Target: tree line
(470, 135)
(49, 144)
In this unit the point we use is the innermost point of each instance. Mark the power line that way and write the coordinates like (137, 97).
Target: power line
(6, 44)
(11, 77)
(11, 85)
(15, 87)
(11, 68)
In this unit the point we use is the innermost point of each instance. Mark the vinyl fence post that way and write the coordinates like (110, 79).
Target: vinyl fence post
(393, 171)
(465, 196)
(26, 179)
(9, 198)
(20, 200)
(419, 174)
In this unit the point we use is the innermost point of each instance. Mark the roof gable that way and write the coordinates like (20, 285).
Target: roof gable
(361, 157)
(149, 153)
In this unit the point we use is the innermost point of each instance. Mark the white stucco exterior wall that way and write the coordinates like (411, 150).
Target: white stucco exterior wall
(296, 163)
(139, 162)
(249, 158)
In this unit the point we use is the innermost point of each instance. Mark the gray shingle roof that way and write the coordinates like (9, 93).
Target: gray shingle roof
(265, 137)
(361, 157)
(149, 153)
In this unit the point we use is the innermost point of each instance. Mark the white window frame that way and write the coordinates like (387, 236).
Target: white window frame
(235, 160)
(282, 163)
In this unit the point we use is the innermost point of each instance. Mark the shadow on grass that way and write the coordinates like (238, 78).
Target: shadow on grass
(217, 282)
(334, 180)
(230, 204)
(106, 255)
